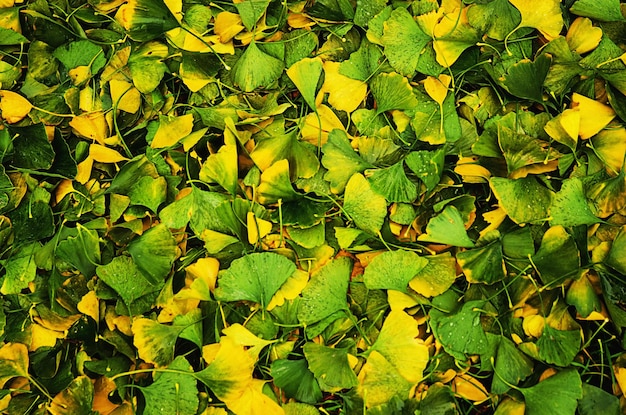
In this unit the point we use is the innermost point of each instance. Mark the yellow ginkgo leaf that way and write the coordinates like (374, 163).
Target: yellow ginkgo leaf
(620, 376)
(201, 277)
(470, 388)
(471, 171)
(84, 170)
(89, 305)
(229, 370)
(244, 337)
(14, 358)
(533, 325)
(317, 125)
(171, 130)
(344, 94)
(594, 115)
(254, 402)
(582, 36)
(80, 74)
(494, 218)
(399, 301)
(543, 15)
(290, 289)
(43, 337)
(379, 381)
(63, 189)
(103, 154)
(398, 342)
(437, 88)
(227, 25)
(125, 96)
(257, 227)
(13, 106)
(565, 127)
(93, 126)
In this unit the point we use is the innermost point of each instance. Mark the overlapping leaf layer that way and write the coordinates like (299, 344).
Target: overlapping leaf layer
(302, 207)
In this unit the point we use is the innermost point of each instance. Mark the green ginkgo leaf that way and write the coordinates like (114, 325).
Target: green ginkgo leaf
(379, 381)
(597, 401)
(255, 277)
(558, 256)
(392, 91)
(256, 68)
(403, 41)
(149, 192)
(447, 228)
(461, 333)
(556, 395)
(326, 293)
(119, 271)
(251, 11)
(616, 258)
(366, 207)
(198, 208)
(296, 380)
(511, 365)
(393, 270)
(305, 75)
(603, 10)
(330, 366)
(524, 200)
(570, 207)
(173, 392)
(147, 19)
(341, 161)
(154, 253)
(146, 64)
(427, 165)
(363, 63)
(393, 184)
(583, 296)
(496, 18)
(558, 347)
(525, 78)
(82, 250)
(20, 268)
(484, 264)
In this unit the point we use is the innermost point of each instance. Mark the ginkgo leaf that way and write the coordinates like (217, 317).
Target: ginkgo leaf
(452, 36)
(461, 333)
(344, 93)
(565, 127)
(222, 166)
(525, 78)
(255, 277)
(399, 342)
(544, 16)
(92, 126)
(610, 146)
(403, 41)
(296, 380)
(524, 200)
(436, 277)
(276, 185)
(496, 18)
(257, 228)
(229, 373)
(447, 228)
(392, 92)
(305, 75)
(253, 400)
(203, 278)
(76, 399)
(558, 256)
(174, 391)
(251, 11)
(146, 19)
(341, 161)
(330, 366)
(13, 362)
(483, 264)
(155, 341)
(603, 10)
(393, 184)
(146, 65)
(570, 206)
(13, 106)
(171, 130)
(379, 381)
(154, 253)
(326, 292)
(116, 274)
(103, 154)
(582, 36)
(302, 161)
(256, 68)
(125, 96)
(244, 337)
(594, 115)
(511, 365)
(557, 395)
(366, 207)
(319, 124)
(393, 270)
